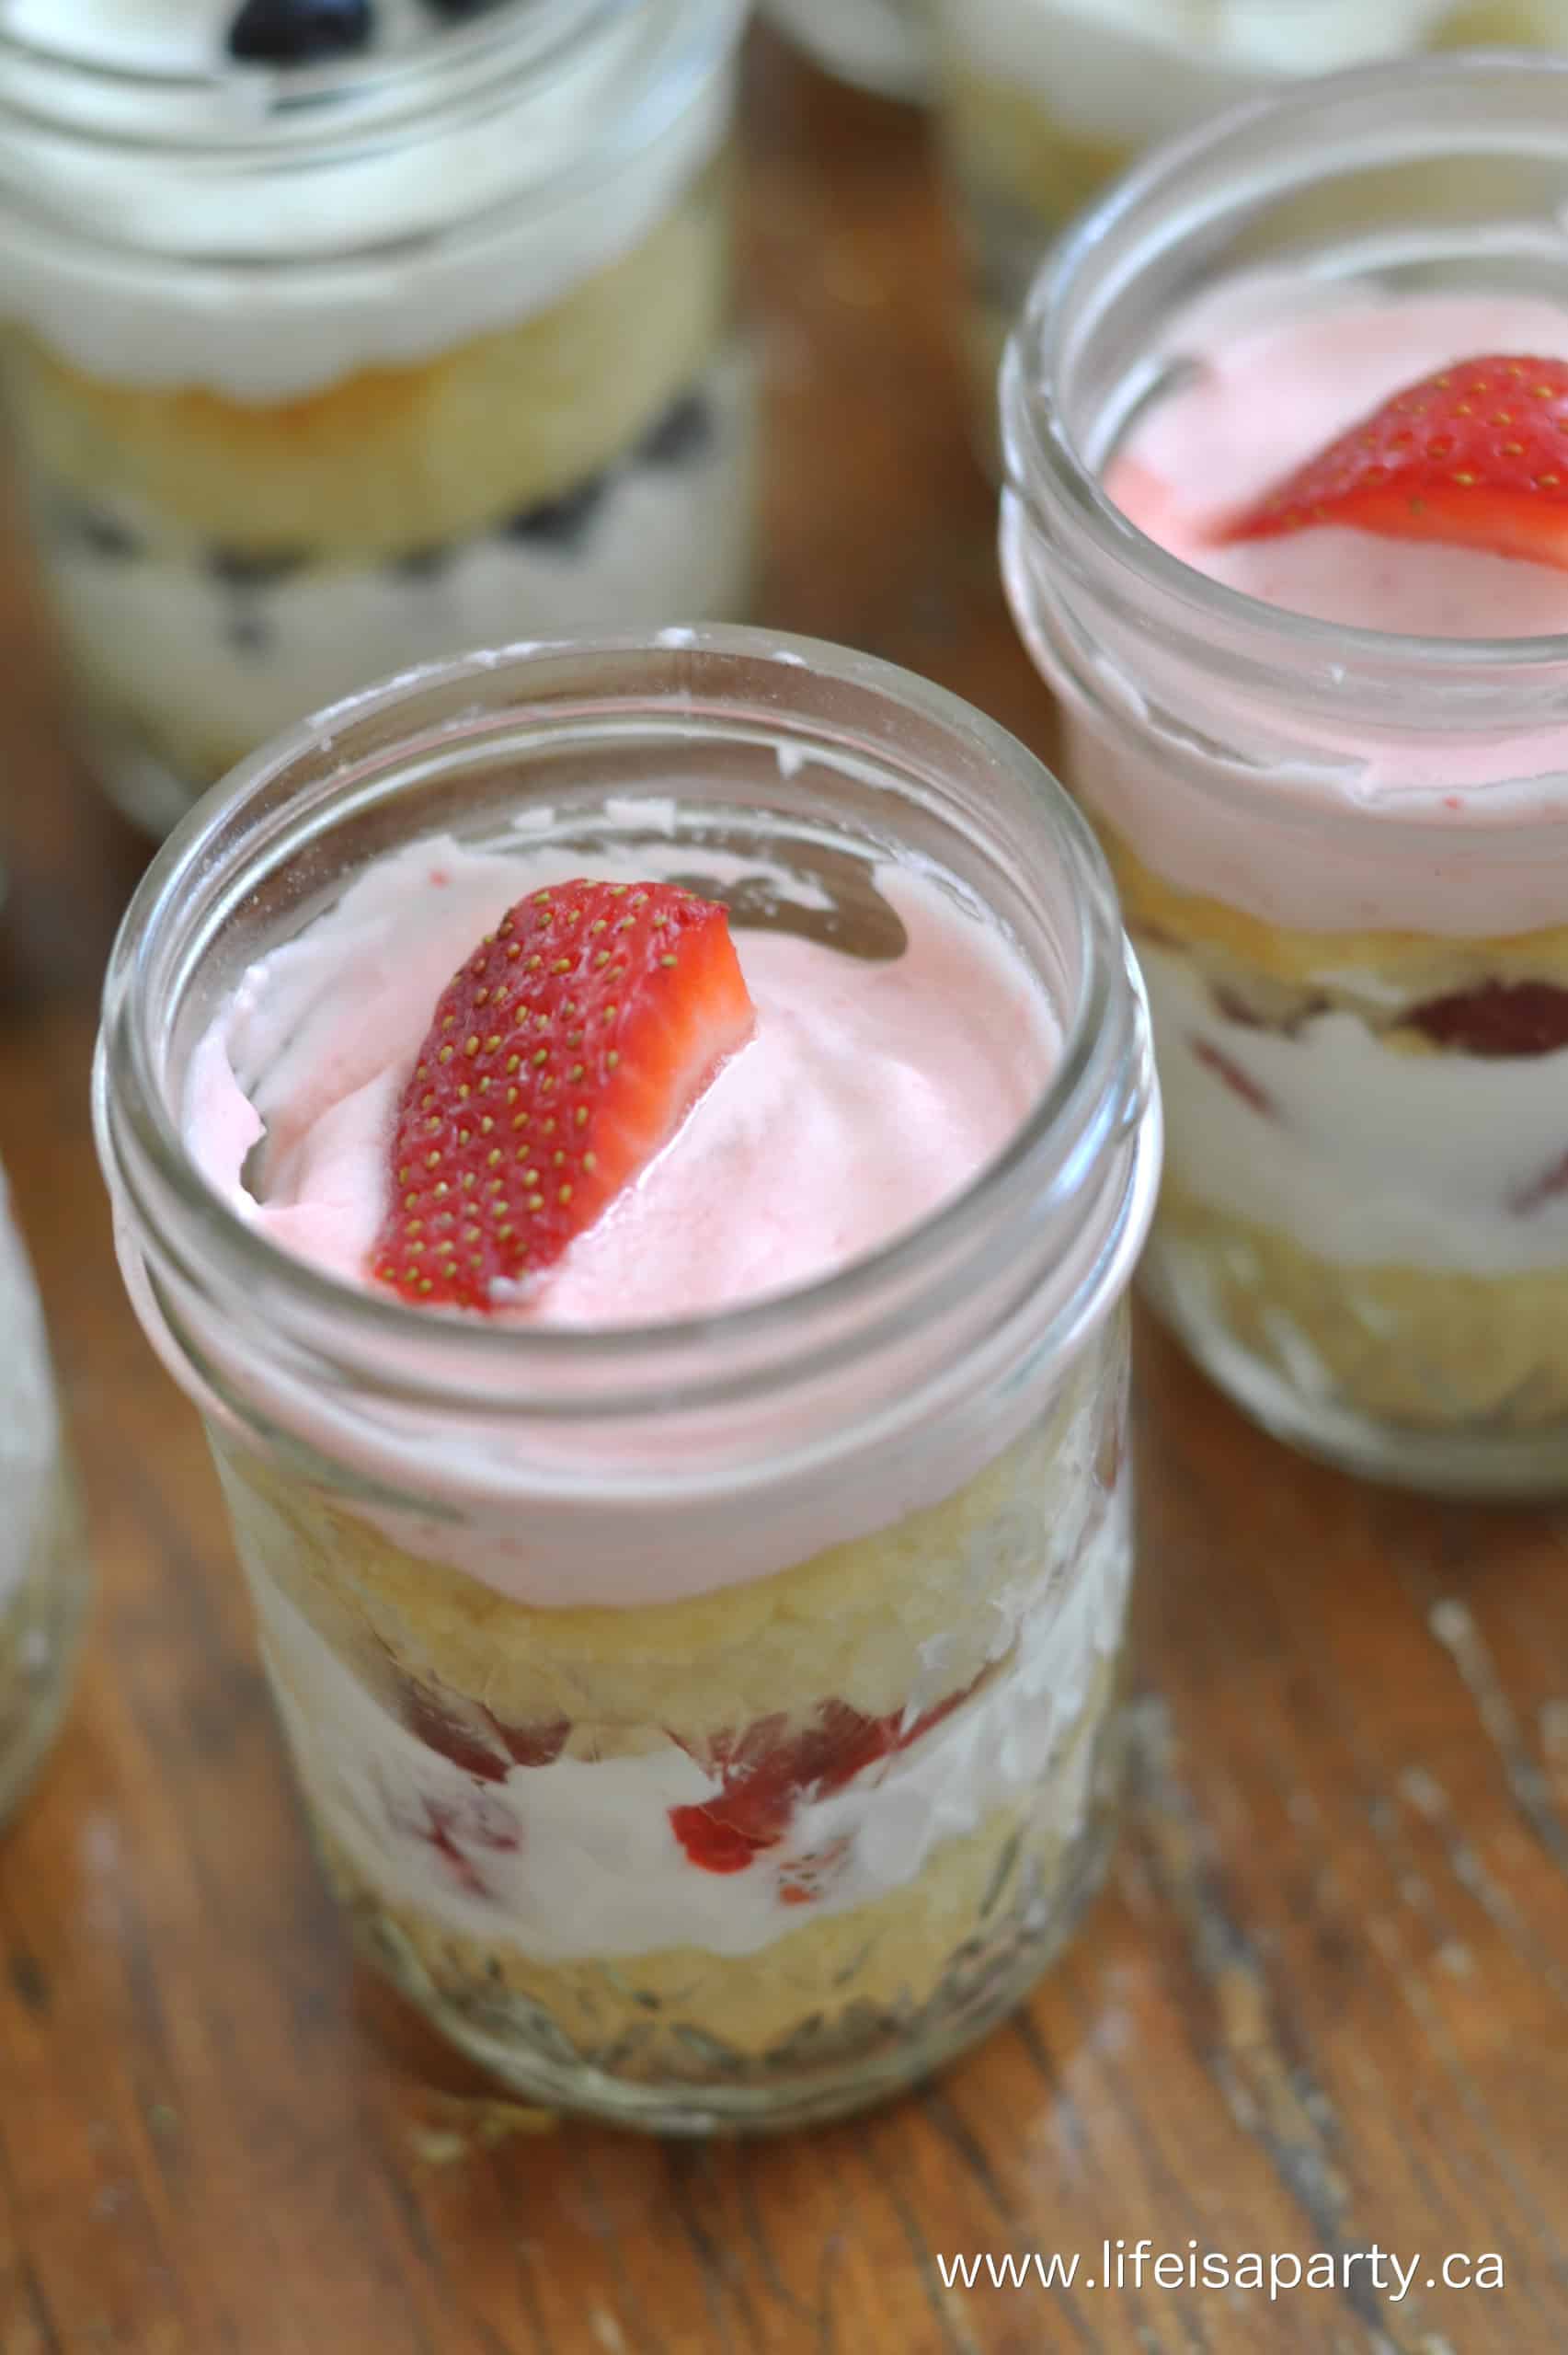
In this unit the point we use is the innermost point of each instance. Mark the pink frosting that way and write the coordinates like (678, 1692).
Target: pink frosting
(869, 1093)
(1282, 368)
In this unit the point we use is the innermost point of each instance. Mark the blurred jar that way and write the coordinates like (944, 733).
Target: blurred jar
(1042, 103)
(882, 45)
(325, 366)
(43, 1577)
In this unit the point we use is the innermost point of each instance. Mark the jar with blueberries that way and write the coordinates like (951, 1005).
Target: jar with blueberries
(343, 335)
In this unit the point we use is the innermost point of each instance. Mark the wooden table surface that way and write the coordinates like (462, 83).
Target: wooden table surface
(1323, 2005)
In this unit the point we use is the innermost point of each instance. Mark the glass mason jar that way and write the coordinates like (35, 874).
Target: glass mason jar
(709, 1722)
(319, 370)
(1327, 839)
(43, 1574)
(1042, 103)
(881, 45)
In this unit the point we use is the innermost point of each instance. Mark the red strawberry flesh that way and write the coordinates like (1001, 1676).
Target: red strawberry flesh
(766, 1774)
(560, 1059)
(1476, 455)
(1498, 1018)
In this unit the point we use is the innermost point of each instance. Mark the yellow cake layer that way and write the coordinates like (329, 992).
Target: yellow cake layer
(853, 1624)
(1408, 966)
(1423, 1348)
(396, 458)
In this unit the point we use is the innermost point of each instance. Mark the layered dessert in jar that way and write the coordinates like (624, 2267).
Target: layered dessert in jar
(42, 1565)
(1333, 785)
(881, 45)
(703, 1687)
(346, 334)
(1045, 102)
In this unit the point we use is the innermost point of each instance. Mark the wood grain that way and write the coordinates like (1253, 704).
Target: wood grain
(1324, 2003)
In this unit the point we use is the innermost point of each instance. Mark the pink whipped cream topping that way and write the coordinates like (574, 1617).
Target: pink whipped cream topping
(1260, 403)
(870, 1093)
(1273, 369)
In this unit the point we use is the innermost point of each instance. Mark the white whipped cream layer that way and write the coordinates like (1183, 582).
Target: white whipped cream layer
(1364, 1156)
(162, 642)
(1134, 72)
(576, 1861)
(30, 1430)
(272, 270)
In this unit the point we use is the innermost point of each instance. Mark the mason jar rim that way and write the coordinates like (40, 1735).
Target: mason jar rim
(1049, 476)
(1098, 1089)
(311, 111)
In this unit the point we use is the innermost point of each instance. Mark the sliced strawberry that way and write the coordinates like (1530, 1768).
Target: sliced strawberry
(471, 1736)
(565, 1052)
(767, 1775)
(1498, 1018)
(1476, 455)
(444, 1729)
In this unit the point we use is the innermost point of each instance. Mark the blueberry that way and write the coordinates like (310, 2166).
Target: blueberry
(99, 533)
(421, 564)
(252, 569)
(296, 32)
(248, 633)
(561, 523)
(684, 431)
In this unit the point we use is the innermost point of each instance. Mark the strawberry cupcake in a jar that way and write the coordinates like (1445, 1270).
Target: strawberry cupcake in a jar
(638, 1153)
(1287, 530)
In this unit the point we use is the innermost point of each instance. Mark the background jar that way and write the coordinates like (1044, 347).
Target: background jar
(321, 371)
(1042, 103)
(882, 45)
(1320, 832)
(43, 1572)
(885, 1517)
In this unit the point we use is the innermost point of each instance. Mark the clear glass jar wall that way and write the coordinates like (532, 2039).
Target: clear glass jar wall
(322, 368)
(811, 1801)
(1327, 839)
(43, 1573)
(1043, 103)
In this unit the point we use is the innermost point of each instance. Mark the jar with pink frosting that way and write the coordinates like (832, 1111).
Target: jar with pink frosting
(43, 1574)
(702, 1670)
(1329, 760)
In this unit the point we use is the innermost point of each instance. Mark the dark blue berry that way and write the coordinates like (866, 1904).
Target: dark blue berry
(561, 523)
(254, 569)
(423, 564)
(101, 533)
(684, 431)
(247, 632)
(297, 32)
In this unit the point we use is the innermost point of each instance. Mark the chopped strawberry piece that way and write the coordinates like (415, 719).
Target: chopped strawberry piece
(565, 1052)
(537, 1745)
(452, 1735)
(767, 1775)
(1498, 1018)
(468, 1734)
(1476, 455)
(1239, 1082)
